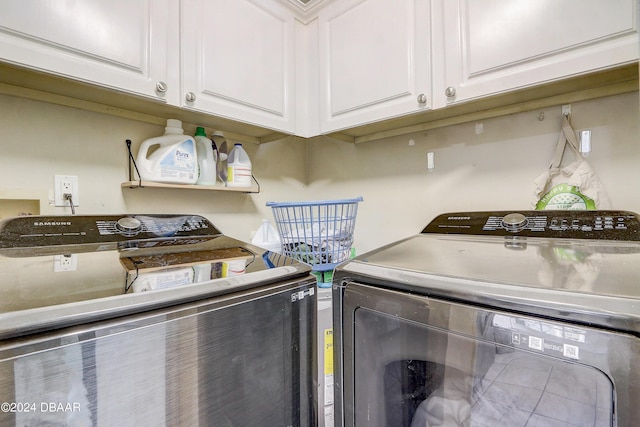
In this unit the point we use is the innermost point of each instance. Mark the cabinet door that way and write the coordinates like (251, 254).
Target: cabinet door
(238, 61)
(120, 44)
(374, 61)
(494, 46)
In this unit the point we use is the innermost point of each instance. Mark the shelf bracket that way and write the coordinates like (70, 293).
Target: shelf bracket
(133, 161)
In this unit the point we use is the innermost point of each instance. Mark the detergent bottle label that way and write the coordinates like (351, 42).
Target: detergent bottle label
(238, 168)
(240, 175)
(180, 163)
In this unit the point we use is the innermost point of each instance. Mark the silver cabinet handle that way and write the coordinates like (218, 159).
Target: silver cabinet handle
(422, 98)
(161, 87)
(450, 92)
(191, 97)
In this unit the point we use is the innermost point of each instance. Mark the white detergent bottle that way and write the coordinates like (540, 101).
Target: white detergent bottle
(170, 158)
(238, 167)
(206, 162)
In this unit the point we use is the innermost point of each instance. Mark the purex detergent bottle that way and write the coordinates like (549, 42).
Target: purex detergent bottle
(170, 158)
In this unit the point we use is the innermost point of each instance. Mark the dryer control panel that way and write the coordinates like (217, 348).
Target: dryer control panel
(42, 231)
(605, 225)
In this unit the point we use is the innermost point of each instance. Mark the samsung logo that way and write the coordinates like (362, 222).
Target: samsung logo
(46, 223)
(458, 218)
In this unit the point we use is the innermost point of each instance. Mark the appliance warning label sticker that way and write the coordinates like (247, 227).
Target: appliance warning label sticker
(550, 338)
(300, 295)
(547, 346)
(328, 367)
(536, 343)
(571, 351)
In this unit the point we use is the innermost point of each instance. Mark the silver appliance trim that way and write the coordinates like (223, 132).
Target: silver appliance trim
(605, 311)
(23, 322)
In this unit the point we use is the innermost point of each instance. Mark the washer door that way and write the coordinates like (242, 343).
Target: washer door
(417, 362)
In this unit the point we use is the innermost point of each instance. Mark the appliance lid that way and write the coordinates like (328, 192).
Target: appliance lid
(61, 270)
(558, 263)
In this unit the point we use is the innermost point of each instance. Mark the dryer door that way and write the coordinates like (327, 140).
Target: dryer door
(243, 359)
(414, 361)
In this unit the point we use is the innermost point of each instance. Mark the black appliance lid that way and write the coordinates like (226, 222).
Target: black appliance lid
(557, 263)
(61, 270)
(592, 225)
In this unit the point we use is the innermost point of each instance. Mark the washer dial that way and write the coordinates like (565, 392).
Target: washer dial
(129, 226)
(514, 222)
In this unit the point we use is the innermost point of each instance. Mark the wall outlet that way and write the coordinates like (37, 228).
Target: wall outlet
(65, 262)
(65, 184)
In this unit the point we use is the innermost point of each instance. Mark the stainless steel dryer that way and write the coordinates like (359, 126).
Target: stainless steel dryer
(154, 320)
(493, 319)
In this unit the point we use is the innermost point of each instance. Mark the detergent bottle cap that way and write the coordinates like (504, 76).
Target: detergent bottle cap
(173, 127)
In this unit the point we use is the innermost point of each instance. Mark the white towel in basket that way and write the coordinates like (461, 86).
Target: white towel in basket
(329, 244)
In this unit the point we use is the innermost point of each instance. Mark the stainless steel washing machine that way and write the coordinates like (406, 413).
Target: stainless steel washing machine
(154, 320)
(523, 318)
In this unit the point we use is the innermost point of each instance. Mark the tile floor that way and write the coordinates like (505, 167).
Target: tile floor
(521, 390)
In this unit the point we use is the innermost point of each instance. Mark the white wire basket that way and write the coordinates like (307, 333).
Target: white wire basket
(319, 233)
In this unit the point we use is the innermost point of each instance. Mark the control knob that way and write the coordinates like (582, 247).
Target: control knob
(129, 226)
(514, 222)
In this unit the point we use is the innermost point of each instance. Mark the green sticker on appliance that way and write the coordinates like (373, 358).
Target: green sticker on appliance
(565, 197)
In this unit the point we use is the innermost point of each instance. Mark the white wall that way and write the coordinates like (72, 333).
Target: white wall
(494, 169)
(40, 140)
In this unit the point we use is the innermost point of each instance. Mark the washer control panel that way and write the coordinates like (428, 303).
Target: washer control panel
(38, 231)
(607, 225)
(151, 225)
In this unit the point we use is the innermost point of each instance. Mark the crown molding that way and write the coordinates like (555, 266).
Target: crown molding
(306, 11)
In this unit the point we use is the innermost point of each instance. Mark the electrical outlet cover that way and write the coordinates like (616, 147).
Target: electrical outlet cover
(65, 263)
(65, 184)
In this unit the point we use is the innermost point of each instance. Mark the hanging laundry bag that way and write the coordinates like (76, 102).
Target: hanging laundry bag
(572, 187)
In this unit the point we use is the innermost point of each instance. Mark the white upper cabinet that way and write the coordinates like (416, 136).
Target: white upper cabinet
(120, 44)
(320, 67)
(238, 61)
(374, 61)
(493, 46)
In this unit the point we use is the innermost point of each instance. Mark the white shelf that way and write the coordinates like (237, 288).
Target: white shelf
(255, 187)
